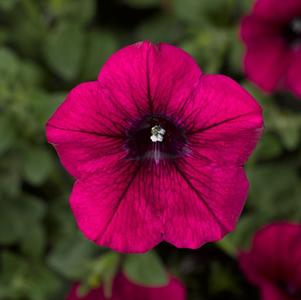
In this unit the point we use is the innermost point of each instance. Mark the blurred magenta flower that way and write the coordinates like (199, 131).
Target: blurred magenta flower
(274, 262)
(272, 34)
(157, 149)
(123, 289)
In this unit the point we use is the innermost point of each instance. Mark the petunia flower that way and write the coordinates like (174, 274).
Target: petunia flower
(157, 149)
(123, 289)
(274, 262)
(272, 35)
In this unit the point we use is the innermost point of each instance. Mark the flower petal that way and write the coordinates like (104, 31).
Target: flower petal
(277, 240)
(254, 29)
(86, 130)
(226, 122)
(279, 245)
(123, 289)
(270, 292)
(145, 76)
(174, 74)
(124, 78)
(275, 254)
(174, 290)
(94, 294)
(203, 203)
(265, 62)
(119, 207)
(275, 10)
(293, 79)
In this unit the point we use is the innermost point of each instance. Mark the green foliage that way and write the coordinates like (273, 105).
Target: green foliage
(142, 3)
(71, 257)
(103, 271)
(160, 28)
(221, 280)
(63, 50)
(100, 45)
(46, 48)
(7, 136)
(37, 165)
(21, 279)
(77, 11)
(145, 269)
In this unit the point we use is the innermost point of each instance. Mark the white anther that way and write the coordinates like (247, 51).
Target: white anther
(157, 134)
(296, 25)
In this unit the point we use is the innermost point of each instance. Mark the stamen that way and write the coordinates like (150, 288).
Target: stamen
(296, 25)
(156, 138)
(157, 153)
(292, 33)
(157, 134)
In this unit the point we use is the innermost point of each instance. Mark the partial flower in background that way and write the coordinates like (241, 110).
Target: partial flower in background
(157, 149)
(274, 262)
(123, 289)
(272, 35)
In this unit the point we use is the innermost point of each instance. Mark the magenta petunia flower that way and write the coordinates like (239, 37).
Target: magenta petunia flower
(274, 262)
(272, 34)
(157, 149)
(123, 289)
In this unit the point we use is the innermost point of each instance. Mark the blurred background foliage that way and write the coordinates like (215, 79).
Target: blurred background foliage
(49, 46)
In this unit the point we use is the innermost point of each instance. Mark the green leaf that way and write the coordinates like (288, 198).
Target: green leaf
(227, 246)
(209, 47)
(14, 269)
(71, 257)
(64, 49)
(188, 10)
(10, 223)
(7, 5)
(33, 243)
(245, 6)
(269, 147)
(7, 133)
(102, 270)
(100, 45)
(9, 65)
(10, 179)
(28, 29)
(290, 134)
(142, 3)
(221, 279)
(285, 123)
(241, 237)
(42, 283)
(146, 269)
(236, 51)
(158, 29)
(31, 207)
(20, 214)
(30, 74)
(37, 164)
(69, 9)
(25, 279)
(62, 221)
(283, 178)
(39, 108)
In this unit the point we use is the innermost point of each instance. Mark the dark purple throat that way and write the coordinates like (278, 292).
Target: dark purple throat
(157, 138)
(292, 32)
(290, 290)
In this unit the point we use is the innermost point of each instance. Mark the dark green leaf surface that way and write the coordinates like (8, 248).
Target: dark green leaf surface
(145, 269)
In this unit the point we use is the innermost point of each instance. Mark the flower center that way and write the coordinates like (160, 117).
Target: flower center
(292, 32)
(157, 134)
(155, 137)
(292, 291)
